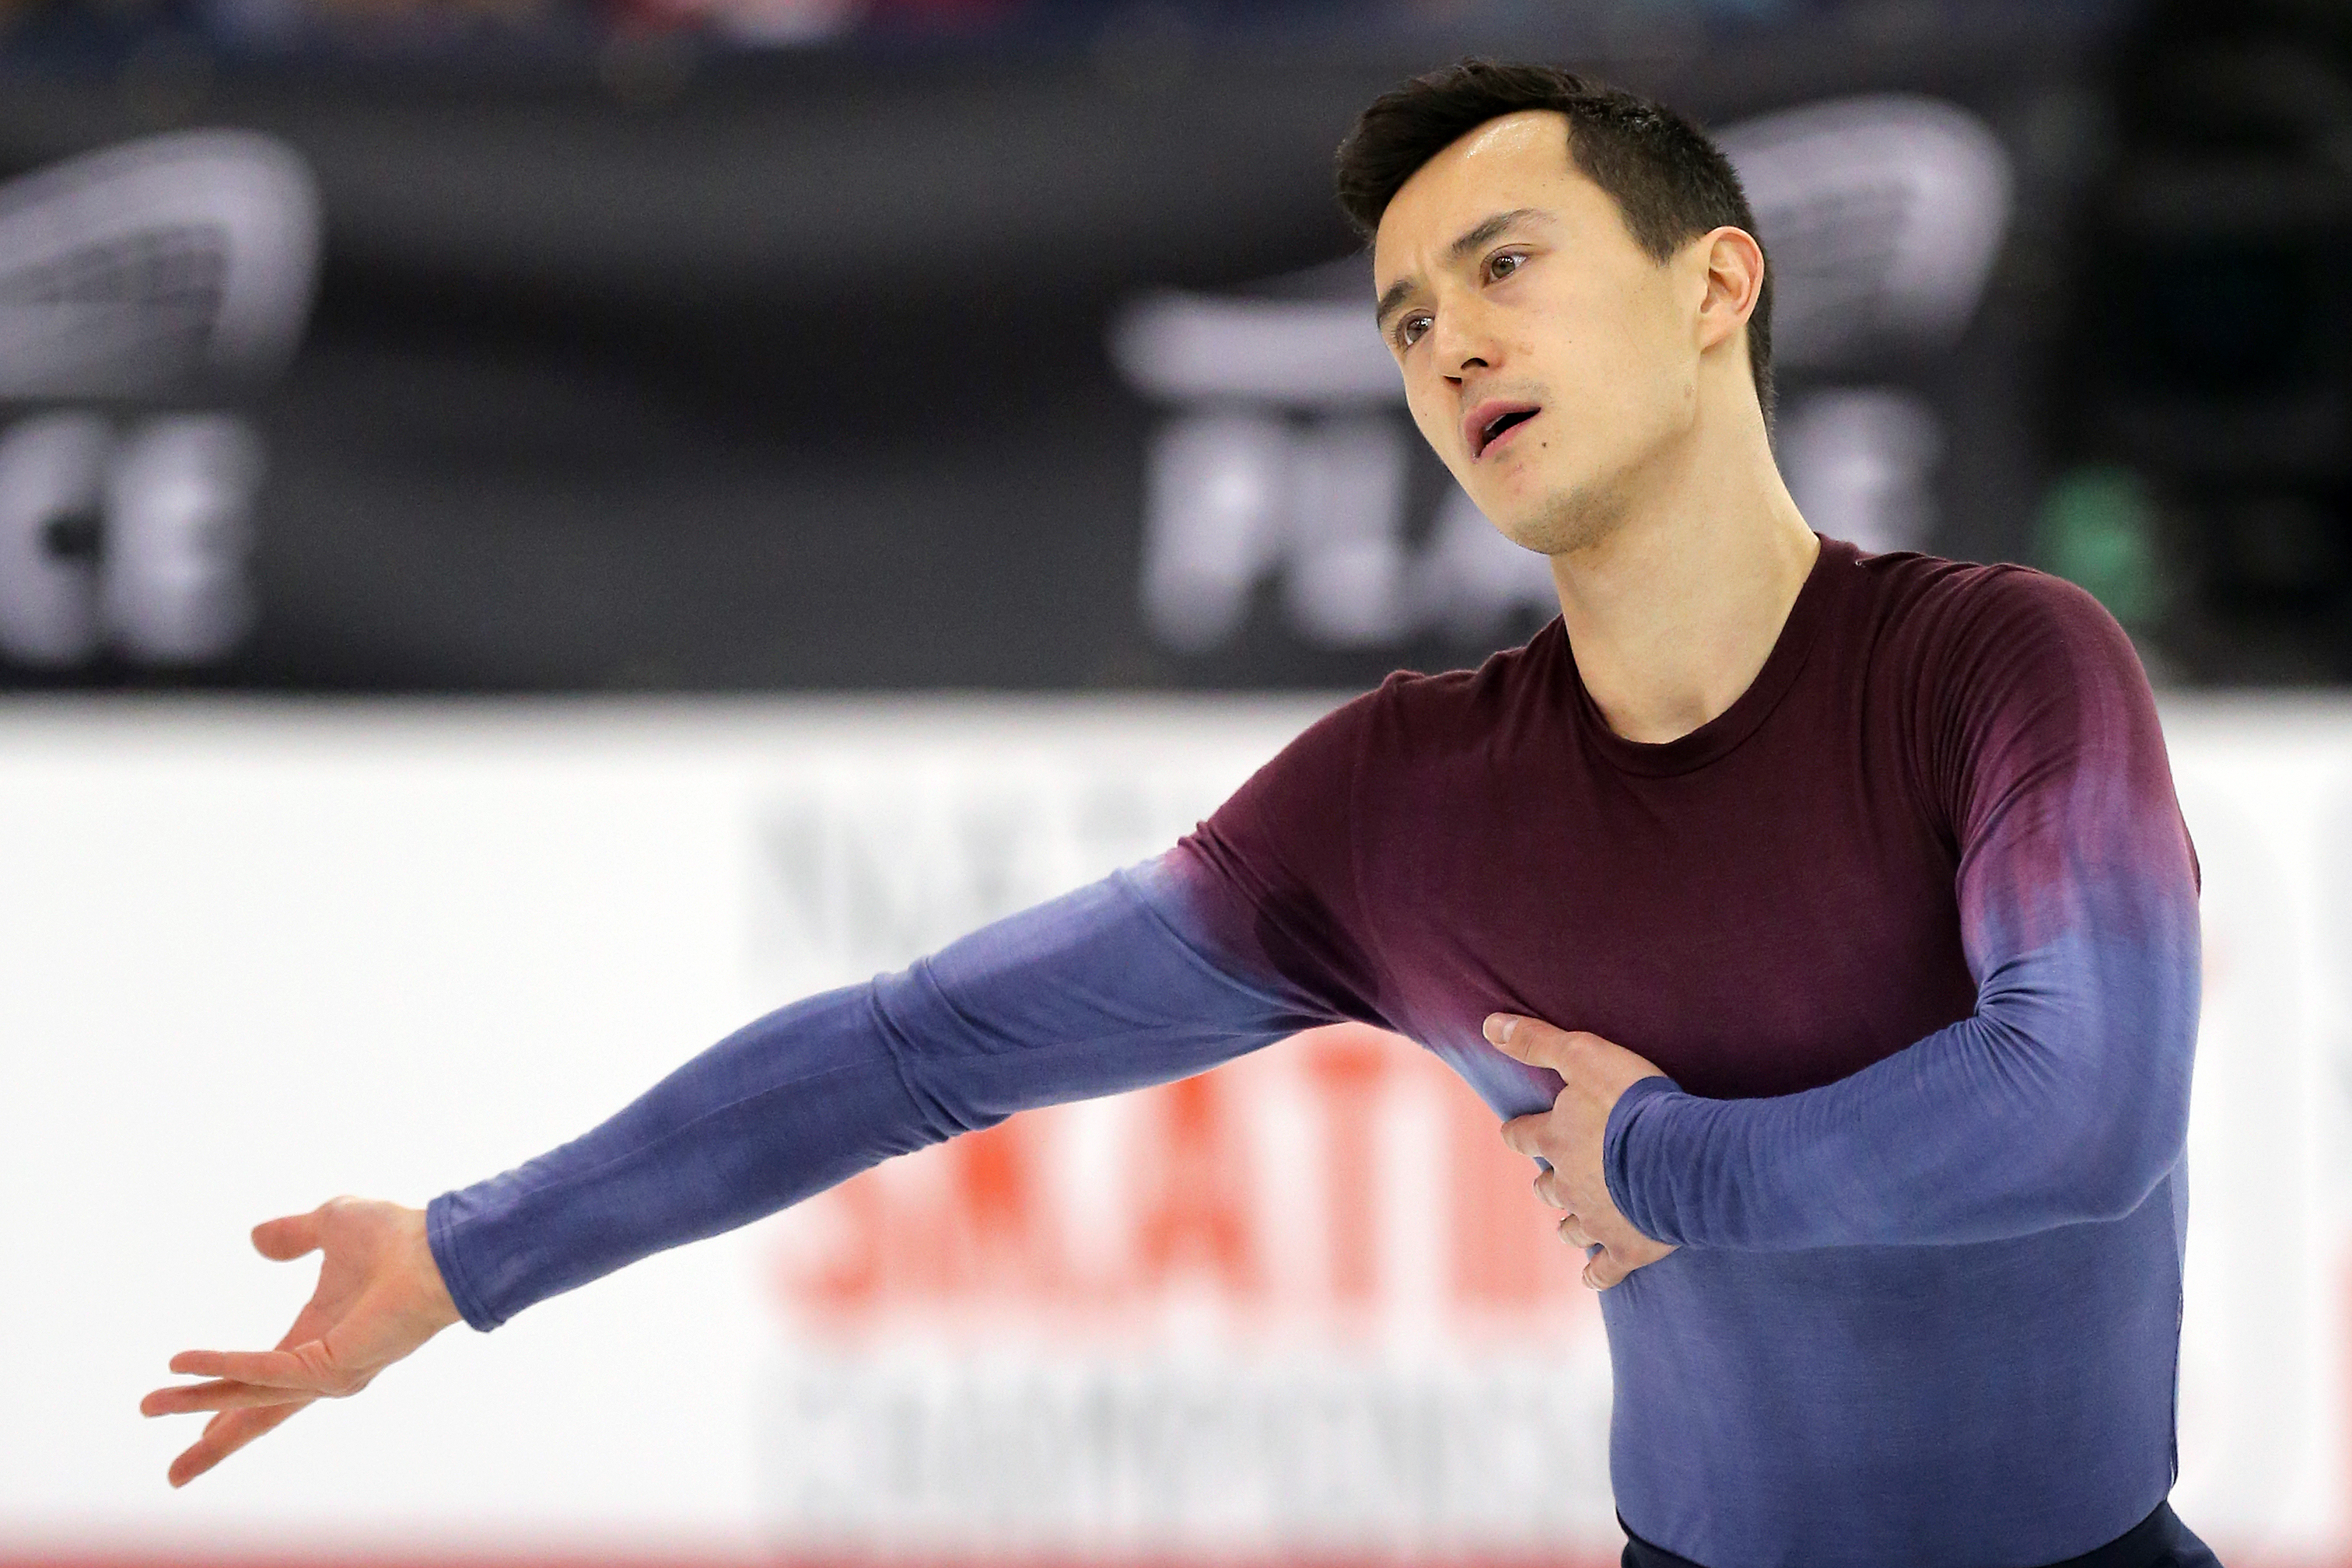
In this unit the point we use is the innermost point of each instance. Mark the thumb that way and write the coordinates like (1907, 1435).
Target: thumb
(288, 1236)
(1529, 1040)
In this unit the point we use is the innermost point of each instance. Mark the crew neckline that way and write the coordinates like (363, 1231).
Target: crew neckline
(1719, 735)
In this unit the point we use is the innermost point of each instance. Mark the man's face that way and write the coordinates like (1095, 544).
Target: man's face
(1545, 357)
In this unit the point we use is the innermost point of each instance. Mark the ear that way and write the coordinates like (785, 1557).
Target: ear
(1734, 281)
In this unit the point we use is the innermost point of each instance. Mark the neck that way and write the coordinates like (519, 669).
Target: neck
(1674, 611)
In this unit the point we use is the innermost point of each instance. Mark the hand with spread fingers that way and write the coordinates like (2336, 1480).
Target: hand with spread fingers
(1593, 1073)
(379, 1295)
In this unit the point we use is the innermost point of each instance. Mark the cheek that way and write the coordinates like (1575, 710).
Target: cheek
(1608, 354)
(1631, 386)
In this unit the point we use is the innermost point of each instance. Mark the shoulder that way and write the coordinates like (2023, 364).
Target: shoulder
(1956, 595)
(1417, 721)
(1950, 627)
(2001, 674)
(1411, 729)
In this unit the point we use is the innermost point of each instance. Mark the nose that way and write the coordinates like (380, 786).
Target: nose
(1464, 344)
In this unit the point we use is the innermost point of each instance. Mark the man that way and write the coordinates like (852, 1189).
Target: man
(1860, 879)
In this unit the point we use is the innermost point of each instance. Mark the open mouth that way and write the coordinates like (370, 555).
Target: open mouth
(1499, 423)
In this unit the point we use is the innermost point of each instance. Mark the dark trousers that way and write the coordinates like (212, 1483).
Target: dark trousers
(2159, 1541)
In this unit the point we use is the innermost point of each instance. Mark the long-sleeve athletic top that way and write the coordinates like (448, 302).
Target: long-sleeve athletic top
(1910, 931)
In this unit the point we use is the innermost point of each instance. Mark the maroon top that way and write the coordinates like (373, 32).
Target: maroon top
(1912, 929)
(1757, 907)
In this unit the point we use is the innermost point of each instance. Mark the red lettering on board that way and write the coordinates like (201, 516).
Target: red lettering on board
(1347, 1065)
(1196, 1220)
(980, 1220)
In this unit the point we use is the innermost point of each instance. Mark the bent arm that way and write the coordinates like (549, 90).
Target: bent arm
(1112, 987)
(2064, 1097)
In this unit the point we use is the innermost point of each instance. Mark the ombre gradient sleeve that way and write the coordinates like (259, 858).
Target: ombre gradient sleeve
(1138, 979)
(2064, 1097)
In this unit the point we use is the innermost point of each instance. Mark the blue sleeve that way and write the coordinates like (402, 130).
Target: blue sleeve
(1112, 987)
(2064, 1097)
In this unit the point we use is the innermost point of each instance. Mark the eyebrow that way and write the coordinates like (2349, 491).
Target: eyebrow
(1470, 240)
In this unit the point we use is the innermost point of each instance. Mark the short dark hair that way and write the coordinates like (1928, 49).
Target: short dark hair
(1670, 182)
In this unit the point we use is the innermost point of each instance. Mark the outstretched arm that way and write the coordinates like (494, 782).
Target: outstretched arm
(2064, 1098)
(1109, 988)
(1122, 984)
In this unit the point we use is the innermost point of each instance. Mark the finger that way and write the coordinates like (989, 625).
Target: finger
(270, 1369)
(225, 1436)
(1603, 1269)
(1572, 1231)
(1518, 1134)
(218, 1395)
(1524, 1134)
(1547, 1188)
(290, 1235)
(1530, 1041)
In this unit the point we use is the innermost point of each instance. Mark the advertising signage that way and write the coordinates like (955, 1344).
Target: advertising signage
(854, 370)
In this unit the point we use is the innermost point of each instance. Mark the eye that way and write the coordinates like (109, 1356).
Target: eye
(1410, 329)
(1502, 263)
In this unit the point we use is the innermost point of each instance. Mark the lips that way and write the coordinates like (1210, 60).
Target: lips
(1492, 420)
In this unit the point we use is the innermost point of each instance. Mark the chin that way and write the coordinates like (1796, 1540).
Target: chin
(1567, 521)
(1527, 532)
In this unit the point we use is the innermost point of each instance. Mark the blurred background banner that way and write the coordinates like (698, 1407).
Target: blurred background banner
(1303, 1308)
(764, 344)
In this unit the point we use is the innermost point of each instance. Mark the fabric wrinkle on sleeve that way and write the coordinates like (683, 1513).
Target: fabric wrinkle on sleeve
(2063, 1097)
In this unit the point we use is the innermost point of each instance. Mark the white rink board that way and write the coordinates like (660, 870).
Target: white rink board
(256, 955)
